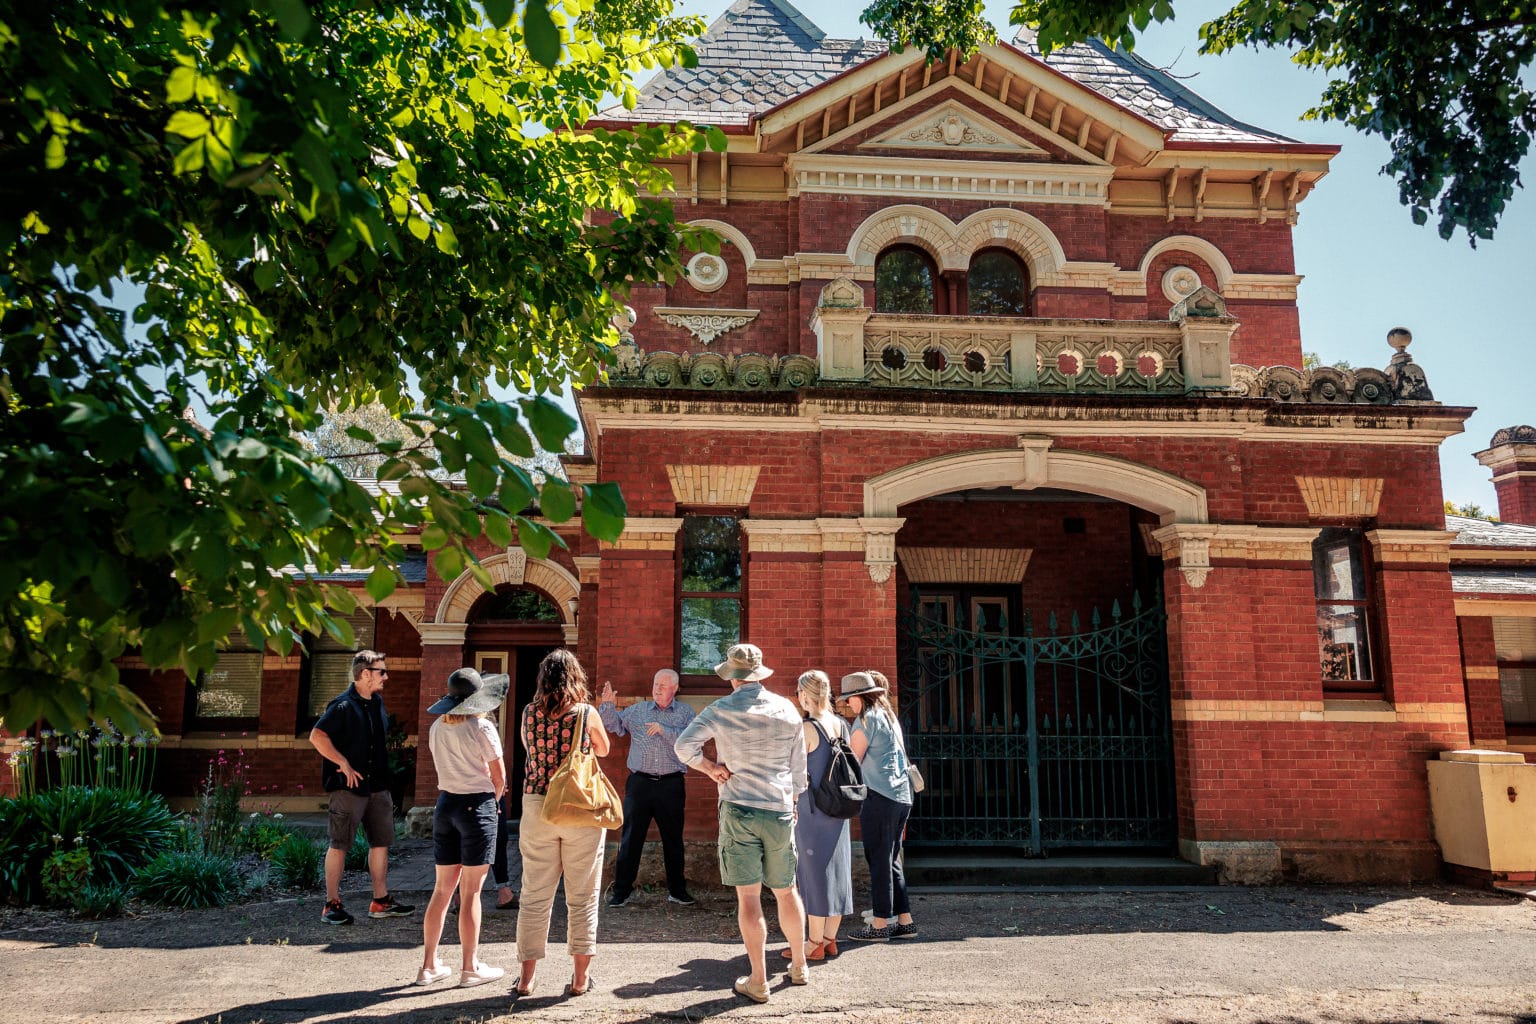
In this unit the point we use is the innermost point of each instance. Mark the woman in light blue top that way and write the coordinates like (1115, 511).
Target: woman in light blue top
(876, 741)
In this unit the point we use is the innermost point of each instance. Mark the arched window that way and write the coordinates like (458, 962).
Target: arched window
(904, 281)
(997, 285)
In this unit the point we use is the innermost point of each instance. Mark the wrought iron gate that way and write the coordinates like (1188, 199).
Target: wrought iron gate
(1059, 740)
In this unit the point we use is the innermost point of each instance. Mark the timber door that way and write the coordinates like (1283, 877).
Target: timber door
(1040, 742)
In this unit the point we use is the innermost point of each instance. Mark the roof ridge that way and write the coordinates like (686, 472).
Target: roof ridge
(737, 10)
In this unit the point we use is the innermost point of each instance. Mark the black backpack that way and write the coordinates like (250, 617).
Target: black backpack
(841, 791)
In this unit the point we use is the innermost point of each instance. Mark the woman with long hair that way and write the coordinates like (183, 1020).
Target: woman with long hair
(824, 873)
(877, 742)
(466, 752)
(558, 717)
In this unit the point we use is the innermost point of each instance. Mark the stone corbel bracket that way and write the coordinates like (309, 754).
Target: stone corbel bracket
(1190, 543)
(880, 546)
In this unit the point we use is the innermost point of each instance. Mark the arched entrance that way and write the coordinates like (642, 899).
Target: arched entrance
(1032, 667)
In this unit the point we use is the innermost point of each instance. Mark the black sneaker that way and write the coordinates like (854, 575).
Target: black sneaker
(681, 899)
(387, 907)
(615, 900)
(904, 931)
(870, 933)
(335, 913)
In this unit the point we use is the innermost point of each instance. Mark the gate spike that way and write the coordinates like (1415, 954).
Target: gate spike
(1002, 623)
(1067, 725)
(1110, 724)
(1095, 618)
(1029, 625)
(1046, 724)
(1088, 724)
(1114, 610)
(1130, 726)
(1052, 623)
(1076, 628)
(1135, 602)
(1015, 721)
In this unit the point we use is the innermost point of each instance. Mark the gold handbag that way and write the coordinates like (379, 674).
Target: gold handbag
(579, 793)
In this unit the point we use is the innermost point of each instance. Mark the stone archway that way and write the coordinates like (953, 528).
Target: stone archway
(514, 567)
(1034, 464)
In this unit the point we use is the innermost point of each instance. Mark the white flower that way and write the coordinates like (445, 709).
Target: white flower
(254, 815)
(278, 816)
(79, 840)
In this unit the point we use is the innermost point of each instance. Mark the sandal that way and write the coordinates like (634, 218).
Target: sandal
(572, 990)
(533, 983)
(828, 948)
(813, 951)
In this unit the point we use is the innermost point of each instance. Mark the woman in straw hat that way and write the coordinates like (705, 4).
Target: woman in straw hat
(470, 779)
(551, 725)
(877, 743)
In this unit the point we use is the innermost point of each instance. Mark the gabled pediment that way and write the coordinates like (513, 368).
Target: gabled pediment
(954, 128)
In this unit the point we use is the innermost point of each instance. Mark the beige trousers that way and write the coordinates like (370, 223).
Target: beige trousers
(550, 851)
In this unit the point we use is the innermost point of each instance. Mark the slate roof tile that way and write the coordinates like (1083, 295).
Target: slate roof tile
(1483, 534)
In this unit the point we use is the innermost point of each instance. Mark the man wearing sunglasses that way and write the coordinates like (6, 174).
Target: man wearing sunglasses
(350, 736)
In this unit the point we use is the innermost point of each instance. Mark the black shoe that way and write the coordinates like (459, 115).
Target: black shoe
(387, 907)
(335, 913)
(869, 933)
(681, 898)
(904, 931)
(616, 900)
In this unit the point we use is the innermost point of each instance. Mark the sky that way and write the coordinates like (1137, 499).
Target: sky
(1367, 266)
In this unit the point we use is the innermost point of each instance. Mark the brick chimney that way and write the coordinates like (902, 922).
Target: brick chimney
(1512, 457)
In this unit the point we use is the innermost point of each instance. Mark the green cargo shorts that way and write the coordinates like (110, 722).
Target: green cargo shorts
(757, 846)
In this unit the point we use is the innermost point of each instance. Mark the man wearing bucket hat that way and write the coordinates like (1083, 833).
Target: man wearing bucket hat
(466, 753)
(760, 767)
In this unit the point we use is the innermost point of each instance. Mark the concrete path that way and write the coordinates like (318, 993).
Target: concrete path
(1216, 954)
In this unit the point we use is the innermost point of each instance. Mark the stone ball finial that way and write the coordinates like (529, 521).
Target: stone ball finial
(1400, 338)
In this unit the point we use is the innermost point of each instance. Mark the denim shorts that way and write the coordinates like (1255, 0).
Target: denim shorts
(464, 829)
(757, 846)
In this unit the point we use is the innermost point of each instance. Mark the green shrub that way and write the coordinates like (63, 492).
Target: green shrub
(100, 900)
(184, 878)
(296, 863)
(120, 831)
(66, 871)
(262, 836)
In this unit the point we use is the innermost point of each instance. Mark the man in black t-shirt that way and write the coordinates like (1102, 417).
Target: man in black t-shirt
(350, 737)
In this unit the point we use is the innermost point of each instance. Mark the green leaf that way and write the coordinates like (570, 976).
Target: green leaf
(292, 17)
(156, 452)
(341, 599)
(217, 623)
(540, 34)
(54, 153)
(717, 140)
(380, 583)
(556, 501)
(536, 538)
(516, 491)
(433, 537)
(500, 11)
(603, 511)
(551, 424)
(481, 479)
(449, 563)
(498, 528)
(447, 241)
(188, 124)
(180, 85)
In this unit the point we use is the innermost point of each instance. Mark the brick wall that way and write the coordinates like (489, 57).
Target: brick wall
(1480, 672)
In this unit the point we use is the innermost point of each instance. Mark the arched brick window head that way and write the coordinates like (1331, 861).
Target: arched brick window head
(997, 284)
(905, 279)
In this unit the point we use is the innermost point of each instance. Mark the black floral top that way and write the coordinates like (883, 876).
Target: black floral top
(548, 740)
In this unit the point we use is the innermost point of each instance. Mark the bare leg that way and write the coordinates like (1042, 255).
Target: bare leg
(754, 931)
(792, 924)
(525, 975)
(815, 929)
(582, 964)
(436, 913)
(335, 864)
(378, 870)
(469, 911)
(829, 926)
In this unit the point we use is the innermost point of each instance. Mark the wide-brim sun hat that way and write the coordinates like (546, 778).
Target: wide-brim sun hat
(470, 693)
(745, 662)
(857, 684)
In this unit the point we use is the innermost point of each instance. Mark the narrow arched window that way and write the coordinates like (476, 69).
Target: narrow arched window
(904, 281)
(997, 285)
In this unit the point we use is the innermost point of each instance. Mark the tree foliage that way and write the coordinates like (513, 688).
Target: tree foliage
(221, 218)
(1445, 84)
(936, 25)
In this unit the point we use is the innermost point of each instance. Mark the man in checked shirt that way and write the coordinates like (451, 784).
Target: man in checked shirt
(655, 785)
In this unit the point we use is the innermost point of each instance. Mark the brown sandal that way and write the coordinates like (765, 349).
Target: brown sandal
(813, 951)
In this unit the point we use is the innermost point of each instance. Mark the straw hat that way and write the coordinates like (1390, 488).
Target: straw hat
(471, 694)
(857, 684)
(743, 661)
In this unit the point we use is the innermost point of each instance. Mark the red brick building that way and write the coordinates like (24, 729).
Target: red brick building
(993, 387)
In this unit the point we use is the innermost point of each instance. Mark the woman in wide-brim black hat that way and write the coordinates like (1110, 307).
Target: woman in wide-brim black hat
(471, 778)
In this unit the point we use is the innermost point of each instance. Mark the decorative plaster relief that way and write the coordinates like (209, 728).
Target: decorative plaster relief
(517, 565)
(706, 324)
(1190, 543)
(954, 127)
(707, 272)
(1180, 282)
(880, 546)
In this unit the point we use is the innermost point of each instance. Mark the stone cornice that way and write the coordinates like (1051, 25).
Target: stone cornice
(1003, 182)
(1411, 547)
(642, 534)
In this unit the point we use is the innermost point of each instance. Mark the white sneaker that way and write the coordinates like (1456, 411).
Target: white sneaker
(480, 975)
(433, 975)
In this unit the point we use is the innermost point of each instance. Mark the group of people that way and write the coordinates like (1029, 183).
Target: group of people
(768, 754)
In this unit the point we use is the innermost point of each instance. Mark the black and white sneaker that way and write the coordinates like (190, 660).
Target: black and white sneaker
(682, 899)
(617, 900)
(387, 907)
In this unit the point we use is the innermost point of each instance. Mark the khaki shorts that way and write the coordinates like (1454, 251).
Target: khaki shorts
(375, 812)
(757, 846)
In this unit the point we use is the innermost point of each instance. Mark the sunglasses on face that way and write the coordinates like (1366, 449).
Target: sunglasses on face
(380, 671)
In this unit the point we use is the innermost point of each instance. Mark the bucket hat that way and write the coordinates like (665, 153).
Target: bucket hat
(743, 661)
(856, 684)
(469, 693)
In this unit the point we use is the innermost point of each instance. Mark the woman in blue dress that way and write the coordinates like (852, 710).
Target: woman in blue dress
(825, 871)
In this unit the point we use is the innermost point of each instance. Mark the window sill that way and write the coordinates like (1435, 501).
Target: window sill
(1355, 710)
